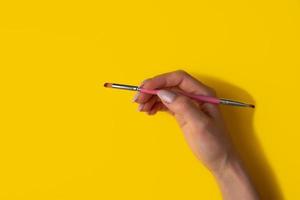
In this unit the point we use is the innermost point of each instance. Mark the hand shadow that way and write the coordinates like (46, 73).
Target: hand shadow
(239, 122)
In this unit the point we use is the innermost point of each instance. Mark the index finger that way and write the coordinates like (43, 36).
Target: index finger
(180, 79)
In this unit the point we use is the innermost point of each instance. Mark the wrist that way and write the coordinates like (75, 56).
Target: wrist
(230, 166)
(234, 181)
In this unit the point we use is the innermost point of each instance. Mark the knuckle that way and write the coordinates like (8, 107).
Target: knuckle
(181, 72)
(209, 91)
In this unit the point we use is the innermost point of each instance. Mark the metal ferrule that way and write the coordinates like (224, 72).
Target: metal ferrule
(125, 87)
(234, 103)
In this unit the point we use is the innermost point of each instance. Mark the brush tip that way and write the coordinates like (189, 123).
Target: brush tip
(109, 85)
(252, 106)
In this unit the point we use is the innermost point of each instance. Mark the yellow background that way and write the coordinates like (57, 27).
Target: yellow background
(64, 136)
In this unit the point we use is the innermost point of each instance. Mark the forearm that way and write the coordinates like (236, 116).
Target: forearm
(235, 183)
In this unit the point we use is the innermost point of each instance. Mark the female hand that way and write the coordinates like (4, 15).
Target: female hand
(203, 128)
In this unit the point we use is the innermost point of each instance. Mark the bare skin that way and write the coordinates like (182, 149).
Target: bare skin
(203, 127)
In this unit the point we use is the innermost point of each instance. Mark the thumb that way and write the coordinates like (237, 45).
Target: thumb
(180, 105)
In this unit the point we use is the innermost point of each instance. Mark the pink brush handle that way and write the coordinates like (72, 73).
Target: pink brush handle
(201, 98)
(148, 91)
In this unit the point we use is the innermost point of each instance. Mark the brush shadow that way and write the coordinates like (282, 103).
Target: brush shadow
(239, 122)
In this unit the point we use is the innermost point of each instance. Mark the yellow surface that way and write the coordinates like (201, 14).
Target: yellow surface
(63, 136)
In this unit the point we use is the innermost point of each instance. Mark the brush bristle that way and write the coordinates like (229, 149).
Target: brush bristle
(109, 85)
(252, 106)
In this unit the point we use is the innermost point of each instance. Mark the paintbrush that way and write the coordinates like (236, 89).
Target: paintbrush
(201, 98)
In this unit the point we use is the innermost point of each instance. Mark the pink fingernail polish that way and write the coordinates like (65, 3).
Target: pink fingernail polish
(135, 97)
(141, 106)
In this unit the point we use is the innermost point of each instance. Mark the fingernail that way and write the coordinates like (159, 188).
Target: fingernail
(141, 106)
(166, 96)
(143, 82)
(135, 97)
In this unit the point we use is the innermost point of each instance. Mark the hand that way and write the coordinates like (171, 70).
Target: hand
(201, 123)
(203, 128)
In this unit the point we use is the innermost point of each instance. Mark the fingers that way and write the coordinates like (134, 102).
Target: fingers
(179, 79)
(182, 106)
(149, 104)
(147, 96)
(153, 106)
